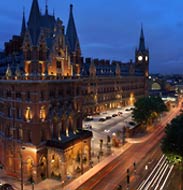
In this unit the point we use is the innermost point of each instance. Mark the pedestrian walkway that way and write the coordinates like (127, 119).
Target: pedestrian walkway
(87, 175)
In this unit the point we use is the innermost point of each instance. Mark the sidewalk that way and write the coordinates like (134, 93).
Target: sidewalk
(87, 175)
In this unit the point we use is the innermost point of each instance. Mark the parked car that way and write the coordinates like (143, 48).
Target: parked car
(89, 118)
(114, 115)
(108, 117)
(87, 126)
(102, 119)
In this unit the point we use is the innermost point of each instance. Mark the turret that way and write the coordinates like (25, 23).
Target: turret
(34, 22)
(71, 33)
(23, 29)
(73, 43)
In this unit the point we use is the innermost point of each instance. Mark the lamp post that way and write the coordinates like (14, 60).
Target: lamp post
(92, 146)
(128, 178)
(32, 185)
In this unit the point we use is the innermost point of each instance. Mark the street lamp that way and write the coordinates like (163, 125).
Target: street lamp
(92, 146)
(32, 184)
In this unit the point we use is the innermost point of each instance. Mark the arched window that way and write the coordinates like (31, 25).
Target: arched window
(28, 114)
(42, 113)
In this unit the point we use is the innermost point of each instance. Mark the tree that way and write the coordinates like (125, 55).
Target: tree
(172, 143)
(147, 109)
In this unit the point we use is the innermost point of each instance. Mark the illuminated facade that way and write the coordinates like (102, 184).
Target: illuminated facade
(41, 104)
(46, 90)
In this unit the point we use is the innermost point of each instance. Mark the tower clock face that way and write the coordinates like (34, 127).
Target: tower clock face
(140, 58)
(146, 58)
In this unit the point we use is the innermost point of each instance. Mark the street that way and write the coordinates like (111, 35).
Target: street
(115, 172)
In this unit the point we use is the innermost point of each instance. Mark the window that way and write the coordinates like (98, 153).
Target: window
(42, 135)
(29, 135)
(18, 95)
(28, 96)
(41, 54)
(52, 94)
(42, 113)
(8, 94)
(9, 112)
(58, 64)
(19, 113)
(41, 95)
(28, 114)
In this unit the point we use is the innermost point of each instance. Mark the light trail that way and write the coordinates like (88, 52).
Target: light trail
(155, 179)
(160, 179)
(167, 177)
(142, 186)
(159, 173)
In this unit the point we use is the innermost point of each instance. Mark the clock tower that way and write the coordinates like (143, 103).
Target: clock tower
(142, 54)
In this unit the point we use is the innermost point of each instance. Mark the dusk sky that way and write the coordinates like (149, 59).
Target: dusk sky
(110, 29)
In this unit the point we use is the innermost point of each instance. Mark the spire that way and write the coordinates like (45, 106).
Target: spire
(142, 41)
(71, 33)
(23, 29)
(46, 8)
(34, 21)
(8, 72)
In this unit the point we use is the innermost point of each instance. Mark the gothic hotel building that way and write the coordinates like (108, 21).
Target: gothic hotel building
(47, 88)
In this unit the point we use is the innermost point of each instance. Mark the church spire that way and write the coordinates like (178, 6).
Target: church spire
(23, 29)
(71, 33)
(142, 41)
(34, 21)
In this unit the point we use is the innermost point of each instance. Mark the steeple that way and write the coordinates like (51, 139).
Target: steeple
(23, 29)
(46, 8)
(142, 41)
(34, 21)
(71, 33)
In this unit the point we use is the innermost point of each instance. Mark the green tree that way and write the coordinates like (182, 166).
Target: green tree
(172, 143)
(147, 109)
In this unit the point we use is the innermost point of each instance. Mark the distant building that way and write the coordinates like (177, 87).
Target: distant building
(46, 88)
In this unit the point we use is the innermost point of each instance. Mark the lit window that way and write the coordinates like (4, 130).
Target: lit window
(28, 114)
(42, 113)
